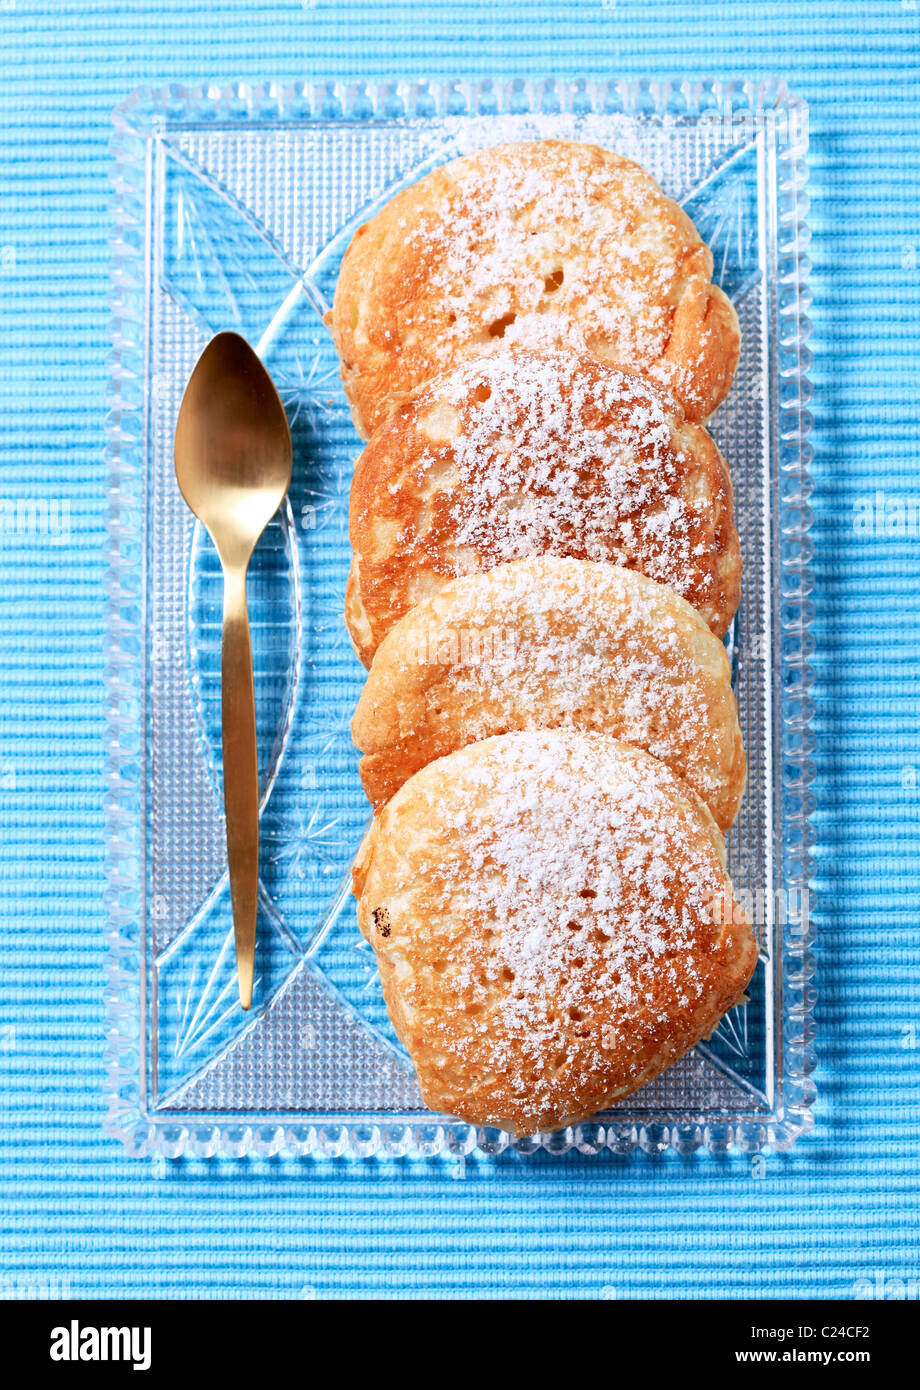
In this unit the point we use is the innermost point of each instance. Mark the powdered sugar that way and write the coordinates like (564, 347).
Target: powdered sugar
(588, 884)
(557, 456)
(591, 643)
(570, 247)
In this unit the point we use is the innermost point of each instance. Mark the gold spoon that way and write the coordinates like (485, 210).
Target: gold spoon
(233, 465)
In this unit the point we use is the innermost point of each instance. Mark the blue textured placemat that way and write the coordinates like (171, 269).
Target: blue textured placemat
(841, 1208)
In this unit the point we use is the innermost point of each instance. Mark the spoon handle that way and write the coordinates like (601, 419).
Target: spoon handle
(241, 774)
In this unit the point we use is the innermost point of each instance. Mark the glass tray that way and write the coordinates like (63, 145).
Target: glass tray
(232, 210)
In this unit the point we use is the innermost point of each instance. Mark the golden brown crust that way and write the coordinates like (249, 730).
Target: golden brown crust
(544, 643)
(543, 244)
(553, 925)
(521, 454)
(362, 638)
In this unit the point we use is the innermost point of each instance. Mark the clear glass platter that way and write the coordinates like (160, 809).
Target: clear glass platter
(231, 210)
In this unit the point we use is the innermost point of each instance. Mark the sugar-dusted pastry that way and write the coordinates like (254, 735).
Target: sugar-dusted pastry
(522, 454)
(546, 244)
(550, 642)
(553, 925)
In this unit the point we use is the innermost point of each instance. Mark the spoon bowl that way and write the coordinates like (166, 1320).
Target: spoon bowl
(233, 462)
(233, 446)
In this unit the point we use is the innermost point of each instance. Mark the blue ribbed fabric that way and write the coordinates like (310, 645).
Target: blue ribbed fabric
(75, 1214)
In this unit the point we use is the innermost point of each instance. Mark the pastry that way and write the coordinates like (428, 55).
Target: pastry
(523, 454)
(550, 642)
(553, 925)
(543, 244)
